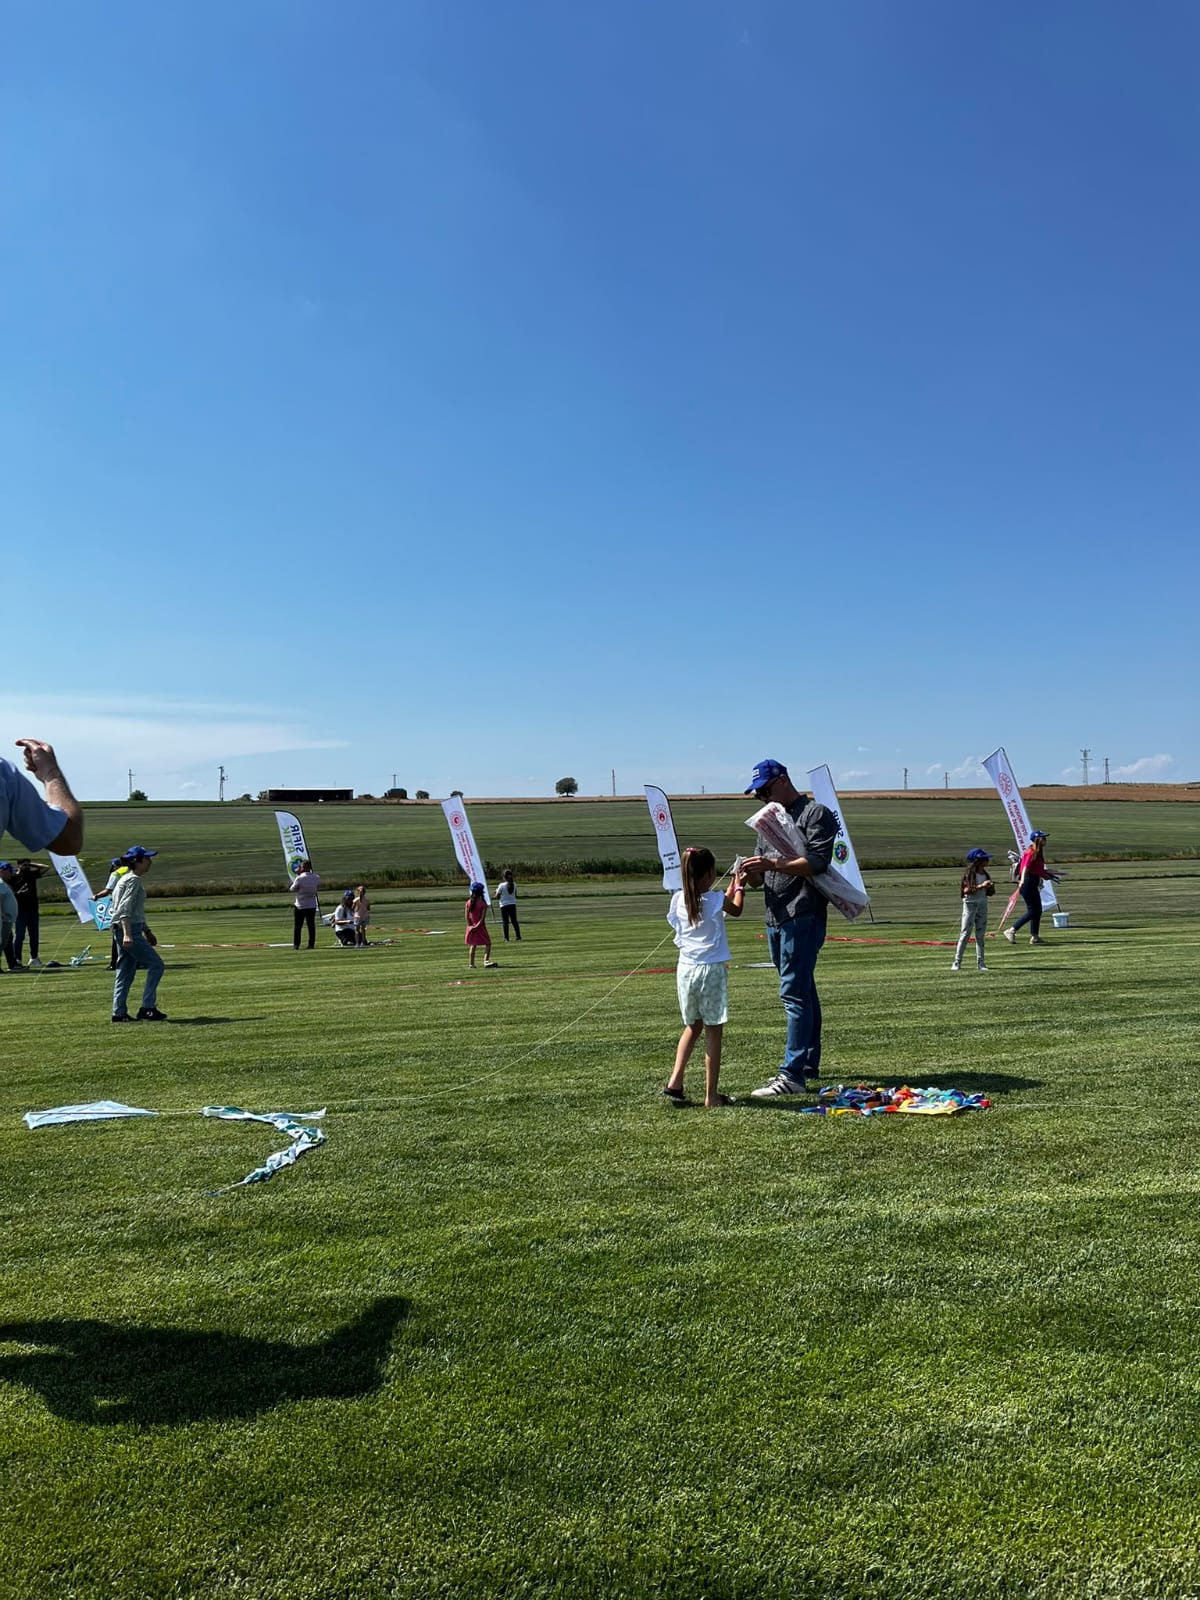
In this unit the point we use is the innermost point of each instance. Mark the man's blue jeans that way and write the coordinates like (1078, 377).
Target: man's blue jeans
(140, 953)
(794, 949)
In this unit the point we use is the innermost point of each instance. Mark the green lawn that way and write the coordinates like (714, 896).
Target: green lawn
(523, 1329)
(211, 846)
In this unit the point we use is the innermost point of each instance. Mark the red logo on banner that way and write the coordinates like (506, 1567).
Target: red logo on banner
(1005, 783)
(457, 820)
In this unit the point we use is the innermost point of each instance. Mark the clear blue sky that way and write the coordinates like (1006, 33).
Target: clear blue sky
(489, 392)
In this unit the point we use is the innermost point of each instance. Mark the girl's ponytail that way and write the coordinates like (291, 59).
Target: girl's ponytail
(697, 864)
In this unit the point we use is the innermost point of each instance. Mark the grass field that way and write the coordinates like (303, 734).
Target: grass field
(211, 847)
(523, 1329)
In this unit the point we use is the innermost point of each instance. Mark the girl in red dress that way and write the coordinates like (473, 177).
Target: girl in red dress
(477, 933)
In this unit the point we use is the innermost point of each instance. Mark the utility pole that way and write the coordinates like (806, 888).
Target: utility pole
(393, 780)
(614, 781)
(1107, 779)
(906, 777)
(221, 786)
(945, 780)
(130, 780)
(1085, 756)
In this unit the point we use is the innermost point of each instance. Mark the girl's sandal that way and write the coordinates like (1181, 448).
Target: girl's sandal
(676, 1096)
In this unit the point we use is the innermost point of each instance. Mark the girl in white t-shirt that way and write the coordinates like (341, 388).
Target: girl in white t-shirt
(697, 914)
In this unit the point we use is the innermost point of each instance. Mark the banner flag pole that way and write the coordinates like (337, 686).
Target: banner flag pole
(465, 848)
(668, 844)
(999, 770)
(820, 782)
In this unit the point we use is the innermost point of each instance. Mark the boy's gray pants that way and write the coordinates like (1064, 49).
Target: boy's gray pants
(974, 921)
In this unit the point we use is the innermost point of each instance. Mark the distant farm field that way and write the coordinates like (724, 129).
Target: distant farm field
(211, 848)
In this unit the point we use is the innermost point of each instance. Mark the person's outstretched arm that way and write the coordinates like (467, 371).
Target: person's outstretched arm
(43, 763)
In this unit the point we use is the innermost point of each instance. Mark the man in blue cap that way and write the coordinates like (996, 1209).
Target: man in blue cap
(137, 942)
(796, 913)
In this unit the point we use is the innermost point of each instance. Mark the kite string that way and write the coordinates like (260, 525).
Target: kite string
(511, 1066)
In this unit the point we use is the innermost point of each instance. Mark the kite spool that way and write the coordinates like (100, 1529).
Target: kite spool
(1062, 919)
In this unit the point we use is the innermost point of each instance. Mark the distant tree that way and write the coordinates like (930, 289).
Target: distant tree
(566, 786)
(456, 794)
(364, 796)
(395, 794)
(264, 795)
(422, 794)
(247, 796)
(138, 794)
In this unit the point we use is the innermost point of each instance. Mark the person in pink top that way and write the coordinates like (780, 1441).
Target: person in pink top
(477, 931)
(1031, 873)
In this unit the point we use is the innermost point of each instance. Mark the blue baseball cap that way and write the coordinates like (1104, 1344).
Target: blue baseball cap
(5, 866)
(477, 888)
(137, 852)
(978, 855)
(764, 773)
(1037, 834)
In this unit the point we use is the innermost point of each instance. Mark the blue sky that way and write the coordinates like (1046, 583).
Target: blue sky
(485, 393)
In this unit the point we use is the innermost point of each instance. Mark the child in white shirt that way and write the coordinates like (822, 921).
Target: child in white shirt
(697, 913)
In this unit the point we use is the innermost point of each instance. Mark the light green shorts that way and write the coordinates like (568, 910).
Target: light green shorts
(703, 992)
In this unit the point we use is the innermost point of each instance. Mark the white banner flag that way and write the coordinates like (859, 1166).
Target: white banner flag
(291, 837)
(668, 844)
(782, 836)
(468, 855)
(1001, 774)
(820, 781)
(74, 878)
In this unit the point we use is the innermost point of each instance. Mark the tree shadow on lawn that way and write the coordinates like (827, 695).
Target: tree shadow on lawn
(104, 1373)
(988, 1083)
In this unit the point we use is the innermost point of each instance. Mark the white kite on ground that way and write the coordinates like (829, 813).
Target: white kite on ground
(93, 1111)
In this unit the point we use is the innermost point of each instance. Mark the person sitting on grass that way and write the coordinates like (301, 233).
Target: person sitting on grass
(697, 913)
(343, 919)
(477, 929)
(137, 941)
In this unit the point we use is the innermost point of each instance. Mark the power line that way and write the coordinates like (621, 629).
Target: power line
(1085, 756)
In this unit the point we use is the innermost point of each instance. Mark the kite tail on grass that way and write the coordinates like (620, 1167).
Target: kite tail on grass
(292, 1123)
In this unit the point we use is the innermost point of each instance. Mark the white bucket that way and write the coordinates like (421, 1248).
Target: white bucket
(1062, 919)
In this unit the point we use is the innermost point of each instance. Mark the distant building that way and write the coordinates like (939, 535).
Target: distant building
(307, 797)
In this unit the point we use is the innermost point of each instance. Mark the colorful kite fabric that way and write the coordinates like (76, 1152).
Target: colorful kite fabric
(858, 1100)
(94, 1111)
(289, 1122)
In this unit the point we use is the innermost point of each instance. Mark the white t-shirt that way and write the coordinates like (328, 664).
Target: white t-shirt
(505, 895)
(707, 942)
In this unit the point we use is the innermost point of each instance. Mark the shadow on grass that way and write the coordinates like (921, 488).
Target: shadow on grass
(104, 1373)
(209, 1022)
(988, 1083)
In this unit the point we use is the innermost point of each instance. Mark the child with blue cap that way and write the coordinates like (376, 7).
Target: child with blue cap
(975, 887)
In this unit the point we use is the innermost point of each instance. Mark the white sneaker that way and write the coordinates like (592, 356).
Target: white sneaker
(954, 967)
(781, 1084)
(35, 962)
(1010, 936)
(982, 968)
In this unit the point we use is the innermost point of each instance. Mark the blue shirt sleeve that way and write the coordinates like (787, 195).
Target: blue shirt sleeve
(24, 813)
